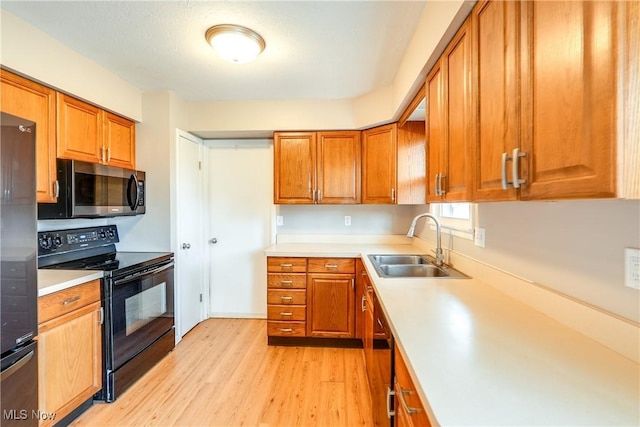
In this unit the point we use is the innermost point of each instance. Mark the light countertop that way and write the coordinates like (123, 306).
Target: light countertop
(479, 357)
(50, 281)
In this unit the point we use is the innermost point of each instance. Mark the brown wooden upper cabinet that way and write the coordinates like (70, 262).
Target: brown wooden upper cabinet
(379, 163)
(546, 129)
(90, 134)
(32, 101)
(317, 167)
(450, 122)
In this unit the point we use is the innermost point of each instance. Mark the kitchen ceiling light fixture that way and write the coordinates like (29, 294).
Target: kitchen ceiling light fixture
(235, 43)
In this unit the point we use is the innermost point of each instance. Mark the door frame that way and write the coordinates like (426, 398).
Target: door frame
(175, 225)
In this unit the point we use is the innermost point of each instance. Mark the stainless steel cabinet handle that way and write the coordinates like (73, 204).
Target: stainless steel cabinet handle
(101, 315)
(108, 154)
(516, 166)
(393, 194)
(71, 300)
(286, 282)
(286, 265)
(286, 298)
(408, 409)
(436, 188)
(286, 330)
(331, 266)
(505, 159)
(319, 199)
(363, 303)
(286, 313)
(56, 185)
(390, 411)
(442, 190)
(186, 245)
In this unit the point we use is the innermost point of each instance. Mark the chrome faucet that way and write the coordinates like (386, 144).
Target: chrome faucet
(438, 251)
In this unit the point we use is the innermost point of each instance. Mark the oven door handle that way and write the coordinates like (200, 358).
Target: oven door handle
(142, 275)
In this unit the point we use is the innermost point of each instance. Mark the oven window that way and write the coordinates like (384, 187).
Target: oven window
(142, 308)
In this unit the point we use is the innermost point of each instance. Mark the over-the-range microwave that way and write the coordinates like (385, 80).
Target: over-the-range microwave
(90, 190)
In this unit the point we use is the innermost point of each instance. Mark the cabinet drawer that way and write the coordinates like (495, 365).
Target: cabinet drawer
(287, 312)
(286, 329)
(332, 265)
(63, 302)
(288, 297)
(286, 265)
(287, 281)
(408, 402)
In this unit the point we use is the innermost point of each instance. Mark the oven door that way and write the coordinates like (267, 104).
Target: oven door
(142, 310)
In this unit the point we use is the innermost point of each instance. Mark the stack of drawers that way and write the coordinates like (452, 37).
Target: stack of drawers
(286, 296)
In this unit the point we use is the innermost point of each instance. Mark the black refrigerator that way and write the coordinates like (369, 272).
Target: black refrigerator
(18, 273)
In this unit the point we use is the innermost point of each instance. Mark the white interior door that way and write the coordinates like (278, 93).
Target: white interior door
(191, 240)
(240, 214)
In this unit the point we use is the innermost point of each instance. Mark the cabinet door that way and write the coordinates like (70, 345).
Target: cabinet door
(338, 167)
(32, 101)
(361, 298)
(70, 360)
(496, 92)
(79, 130)
(294, 169)
(459, 117)
(436, 130)
(119, 141)
(568, 58)
(330, 306)
(412, 164)
(379, 161)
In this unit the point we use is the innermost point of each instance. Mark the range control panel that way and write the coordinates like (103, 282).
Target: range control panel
(78, 238)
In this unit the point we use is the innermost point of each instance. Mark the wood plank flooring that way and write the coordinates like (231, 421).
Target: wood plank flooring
(223, 373)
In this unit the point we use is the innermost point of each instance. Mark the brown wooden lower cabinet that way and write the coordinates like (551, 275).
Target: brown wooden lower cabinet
(311, 297)
(408, 406)
(70, 349)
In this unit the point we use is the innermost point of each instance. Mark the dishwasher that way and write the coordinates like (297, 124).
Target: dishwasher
(378, 352)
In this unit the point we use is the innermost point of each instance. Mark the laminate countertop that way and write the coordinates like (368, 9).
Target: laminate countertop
(50, 281)
(481, 358)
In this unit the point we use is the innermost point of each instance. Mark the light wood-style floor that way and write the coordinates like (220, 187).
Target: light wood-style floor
(223, 374)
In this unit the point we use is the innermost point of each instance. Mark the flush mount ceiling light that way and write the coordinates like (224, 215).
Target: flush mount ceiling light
(234, 43)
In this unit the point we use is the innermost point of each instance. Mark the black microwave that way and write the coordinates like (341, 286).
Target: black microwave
(90, 190)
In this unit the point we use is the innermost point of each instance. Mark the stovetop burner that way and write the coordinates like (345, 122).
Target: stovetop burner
(92, 248)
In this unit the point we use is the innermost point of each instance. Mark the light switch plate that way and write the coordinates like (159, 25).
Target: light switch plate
(478, 236)
(632, 268)
(347, 220)
(279, 220)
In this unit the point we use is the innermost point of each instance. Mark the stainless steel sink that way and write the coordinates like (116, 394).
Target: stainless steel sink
(399, 259)
(412, 266)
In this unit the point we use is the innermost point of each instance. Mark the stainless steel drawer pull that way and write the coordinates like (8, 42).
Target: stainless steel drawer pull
(71, 300)
(286, 265)
(286, 298)
(286, 330)
(331, 266)
(390, 411)
(285, 313)
(408, 409)
(286, 282)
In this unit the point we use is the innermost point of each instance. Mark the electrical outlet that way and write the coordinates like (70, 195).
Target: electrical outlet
(347, 221)
(478, 236)
(279, 220)
(632, 268)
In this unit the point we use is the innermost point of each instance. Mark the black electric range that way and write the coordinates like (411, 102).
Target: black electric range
(138, 299)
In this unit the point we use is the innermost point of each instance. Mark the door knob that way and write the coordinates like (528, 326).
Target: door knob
(213, 241)
(186, 245)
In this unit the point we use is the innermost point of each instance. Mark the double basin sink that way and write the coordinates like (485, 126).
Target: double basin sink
(413, 266)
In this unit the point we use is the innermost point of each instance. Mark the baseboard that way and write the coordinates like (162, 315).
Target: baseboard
(225, 315)
(608, 329)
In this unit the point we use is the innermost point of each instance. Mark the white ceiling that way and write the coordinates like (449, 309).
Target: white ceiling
(315, 49)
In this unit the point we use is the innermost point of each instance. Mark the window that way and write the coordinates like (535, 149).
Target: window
(456, 218)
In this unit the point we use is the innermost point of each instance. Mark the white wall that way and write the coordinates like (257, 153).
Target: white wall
(329, 219)
(30, 52)
(573, 247)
